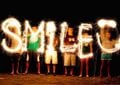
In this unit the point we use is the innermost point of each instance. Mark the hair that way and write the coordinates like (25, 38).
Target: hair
(68, 29)
(113, 32)
(87, 31)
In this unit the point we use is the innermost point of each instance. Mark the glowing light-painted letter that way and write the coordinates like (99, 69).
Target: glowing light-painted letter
(14, 36)
(41, 35)
(84, 26)
(50, 32)
(112, 24)
(63, 47)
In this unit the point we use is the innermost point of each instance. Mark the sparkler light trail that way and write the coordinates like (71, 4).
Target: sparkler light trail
(39, 32)
(84, 26)
(50, 32)
(63, 47)
(110, 23)
(8, 25)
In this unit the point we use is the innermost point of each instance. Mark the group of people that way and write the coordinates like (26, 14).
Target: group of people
(69, 57)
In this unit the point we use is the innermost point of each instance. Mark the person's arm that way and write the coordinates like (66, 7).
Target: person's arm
(91, 49)
(114, 42)
(65, 41)
(56, 41)
(39, 39)
(27, 39)
(102, 34)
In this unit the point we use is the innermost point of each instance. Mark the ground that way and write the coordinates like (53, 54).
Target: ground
(34, 79)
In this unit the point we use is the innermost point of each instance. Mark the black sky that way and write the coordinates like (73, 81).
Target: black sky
(71, 11)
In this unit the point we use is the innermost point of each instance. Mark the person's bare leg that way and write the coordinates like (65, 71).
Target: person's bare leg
(38, 67)
(65, 70)
(71, 71)
(101, 68)
(12, 65)
(27, 67)
(17, 68)
(108, 68)
(54, 69)
(27, 64)
(81, 67)
(38, 63)
(87, 67)
(48, 68)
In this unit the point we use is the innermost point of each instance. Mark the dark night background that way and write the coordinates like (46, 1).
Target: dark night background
(60, 11)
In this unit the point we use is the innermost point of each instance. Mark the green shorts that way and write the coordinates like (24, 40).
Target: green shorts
(106, 56)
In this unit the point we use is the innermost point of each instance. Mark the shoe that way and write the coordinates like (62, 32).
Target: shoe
(71, 74)
(12, 73)
(66, 74)
(80, 75)
(25, 72)
(17, 72)
(101, 76)
(87, 76)
(109, 76)
(38, 72)
(48, 73)
(54, 74)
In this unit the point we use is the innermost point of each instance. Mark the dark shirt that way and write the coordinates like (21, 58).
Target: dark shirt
(70, 40)
(86, 48)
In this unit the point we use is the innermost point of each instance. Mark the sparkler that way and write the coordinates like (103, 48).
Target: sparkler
(42, 35)
(104, 22)
(64, 27)
(15, 36)
(112, 50)
(110, 23)
(63, 47)
(34, 34)
(50, 32)
(84, 26)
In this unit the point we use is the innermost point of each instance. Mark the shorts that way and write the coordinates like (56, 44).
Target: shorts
(15, 58)
(69, 59)
(33, 55)
(106, 56)
(51, 56)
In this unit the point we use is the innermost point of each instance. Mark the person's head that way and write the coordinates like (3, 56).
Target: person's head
(85, 33)
(70, 31)
(12, 29)
(108, 35)
(107, 32)
(34, 28)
